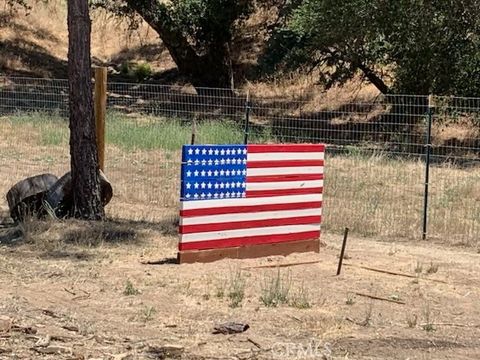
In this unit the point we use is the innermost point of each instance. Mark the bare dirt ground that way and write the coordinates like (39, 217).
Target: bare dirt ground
(80, 292)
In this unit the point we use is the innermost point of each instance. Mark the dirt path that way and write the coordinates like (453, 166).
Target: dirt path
(102, 303)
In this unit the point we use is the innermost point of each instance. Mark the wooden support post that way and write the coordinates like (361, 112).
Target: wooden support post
(342, 252)
(100, 111)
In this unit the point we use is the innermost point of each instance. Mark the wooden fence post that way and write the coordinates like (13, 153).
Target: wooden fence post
(100, 111)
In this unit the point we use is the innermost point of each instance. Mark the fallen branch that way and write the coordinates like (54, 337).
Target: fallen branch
(453, 324)
(393, 273)
(380, 298)
(254, 343)
(281, 265)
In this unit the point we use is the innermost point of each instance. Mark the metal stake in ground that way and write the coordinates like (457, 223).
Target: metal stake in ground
(428, 150)
(194, 131)
(247, 118)
(342, 252)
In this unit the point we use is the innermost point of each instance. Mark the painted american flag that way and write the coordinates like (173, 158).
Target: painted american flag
(238, 195)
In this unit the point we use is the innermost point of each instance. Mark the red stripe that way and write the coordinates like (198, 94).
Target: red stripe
(265, 148)
(199, 228)
(248, 240)
(279, 178)
(280, 192)
(283, 163)
(250, 209)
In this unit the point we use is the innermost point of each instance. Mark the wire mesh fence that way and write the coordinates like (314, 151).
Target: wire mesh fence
(375, 169)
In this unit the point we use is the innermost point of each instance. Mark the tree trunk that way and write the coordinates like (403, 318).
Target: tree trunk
(210, 70)
(83, 148)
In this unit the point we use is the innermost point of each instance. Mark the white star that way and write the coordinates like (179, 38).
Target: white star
(239, 184)
(227, 195)
(227, 185)
(232, 184)
(203, 196)
(196, 185)
(222, 185)
(244, 172)
(190, 151)
(216, 151)
(216, 186)
(217, 162)
(215, 195)
(204, 162)
(209, 185)
(210, 151)
(195, 173)
(195, 196)
(222, 162)
(203, 185)
(188, 185)
(203, 173)
(204, 151)
(189, 161)
(215, 173)
(187, 196)
(197, 151)
(209, 195)
(227, 161)
(234, 161)
(244, 151)
(244, 161)
(227, 152)
(239, 194)
(244, 184)
(222, 152)
(197, 162)
(221, 194)
(222, 172)
(238, 172)
(189, 173)
(209, 172)
(227, 172)
(210, 162)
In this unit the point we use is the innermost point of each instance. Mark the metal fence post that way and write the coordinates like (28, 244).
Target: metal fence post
(247, 118)
(428, 150)
(100, 111)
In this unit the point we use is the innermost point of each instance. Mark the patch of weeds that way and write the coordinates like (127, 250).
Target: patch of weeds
(427, 312)
(350, 299)
(301, 299)
(220, 289)
(206, 297)
(433, 268)
(130, 290)
(418, 267)
(275, 290)
(236, 289)
(147, 313)
(368, 315)
(412, 320)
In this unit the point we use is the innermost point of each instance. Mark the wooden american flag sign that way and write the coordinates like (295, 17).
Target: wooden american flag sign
(247, 195)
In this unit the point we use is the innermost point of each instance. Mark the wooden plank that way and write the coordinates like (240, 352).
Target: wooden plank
(100, 111)
(249, 252)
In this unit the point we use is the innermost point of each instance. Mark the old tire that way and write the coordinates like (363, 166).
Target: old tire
(26, 197)
(60, 195)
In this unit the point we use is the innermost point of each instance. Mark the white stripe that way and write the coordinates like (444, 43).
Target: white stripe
(285, 156)
(240, 217)
(285, 185)
(285, 171)
(274, 230)
(287, 199)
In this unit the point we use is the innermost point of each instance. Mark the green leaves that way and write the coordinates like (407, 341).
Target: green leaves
(428, 46)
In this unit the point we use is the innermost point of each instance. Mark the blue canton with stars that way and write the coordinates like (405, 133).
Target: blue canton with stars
(213, 172)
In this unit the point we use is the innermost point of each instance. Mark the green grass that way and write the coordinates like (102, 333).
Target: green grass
(146, 133)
